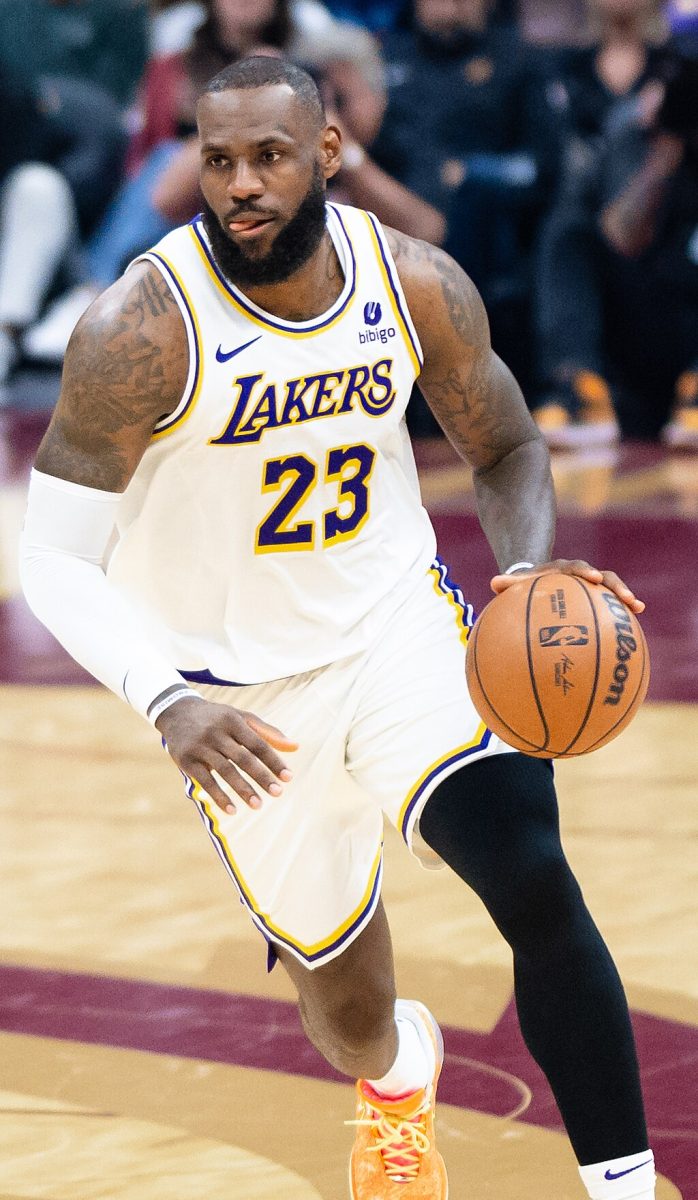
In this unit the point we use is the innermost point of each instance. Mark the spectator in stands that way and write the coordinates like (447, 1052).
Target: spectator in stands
(478, 150)
(302, 29)
(467, 131)
(618, 283)
(103, 42)
(80, 62)
(82, 59)
(37, 216)
(625, 51)
(622, 48)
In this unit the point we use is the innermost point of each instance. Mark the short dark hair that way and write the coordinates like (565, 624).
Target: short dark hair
(261, 70)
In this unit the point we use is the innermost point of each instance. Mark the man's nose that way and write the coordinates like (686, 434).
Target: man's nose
(244, 182)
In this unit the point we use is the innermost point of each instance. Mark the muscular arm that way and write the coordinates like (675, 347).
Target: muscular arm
(478, 404)
(125, 367)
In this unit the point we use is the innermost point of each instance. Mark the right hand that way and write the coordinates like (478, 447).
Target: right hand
(203, 737)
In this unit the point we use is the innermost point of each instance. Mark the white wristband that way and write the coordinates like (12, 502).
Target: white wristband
(520, 566)
(158, 709)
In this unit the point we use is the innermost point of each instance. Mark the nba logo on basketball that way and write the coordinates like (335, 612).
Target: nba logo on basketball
(564, 635)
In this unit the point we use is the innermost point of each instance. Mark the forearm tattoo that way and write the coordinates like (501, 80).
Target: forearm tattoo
(472, 394)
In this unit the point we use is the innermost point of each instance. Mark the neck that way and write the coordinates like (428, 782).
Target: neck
(309, 292)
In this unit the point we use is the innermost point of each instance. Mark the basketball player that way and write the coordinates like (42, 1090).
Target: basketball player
(224, 526)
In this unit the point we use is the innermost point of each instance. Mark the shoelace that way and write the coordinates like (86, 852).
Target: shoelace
(400, 1142)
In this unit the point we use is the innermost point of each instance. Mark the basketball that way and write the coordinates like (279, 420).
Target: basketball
(557, 666)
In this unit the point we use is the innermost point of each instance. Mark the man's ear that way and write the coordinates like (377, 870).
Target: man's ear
(331, 151)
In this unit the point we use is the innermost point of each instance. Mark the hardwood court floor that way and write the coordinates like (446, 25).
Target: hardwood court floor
(147, 1055)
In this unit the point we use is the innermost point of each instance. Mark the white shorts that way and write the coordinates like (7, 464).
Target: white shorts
(377, 733)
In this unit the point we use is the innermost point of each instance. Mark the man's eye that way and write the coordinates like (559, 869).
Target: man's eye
(217, 160)
(271, 156)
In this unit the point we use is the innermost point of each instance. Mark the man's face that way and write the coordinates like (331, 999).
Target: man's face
(264, 163)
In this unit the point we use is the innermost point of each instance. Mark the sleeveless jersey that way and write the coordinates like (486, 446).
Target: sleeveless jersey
(278, 505)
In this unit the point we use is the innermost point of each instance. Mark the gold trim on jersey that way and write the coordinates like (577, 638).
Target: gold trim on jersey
(270, 323)
(393, 296)
(197, 382)
(447, 594)
(431, 777)
(368, 900)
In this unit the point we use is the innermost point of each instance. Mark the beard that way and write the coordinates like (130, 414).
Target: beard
(290, 250)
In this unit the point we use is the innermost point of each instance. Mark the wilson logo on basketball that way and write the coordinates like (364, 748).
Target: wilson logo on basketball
(564, 635)
(626, 645)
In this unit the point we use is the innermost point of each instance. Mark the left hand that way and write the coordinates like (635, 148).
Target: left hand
(583, 570)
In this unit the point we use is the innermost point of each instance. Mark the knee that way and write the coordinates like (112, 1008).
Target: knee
(496, 824)
(536, 902)
(490, 811)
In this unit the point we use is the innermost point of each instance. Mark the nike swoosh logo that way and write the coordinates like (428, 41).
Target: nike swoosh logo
(618, 1174)
(222, 358)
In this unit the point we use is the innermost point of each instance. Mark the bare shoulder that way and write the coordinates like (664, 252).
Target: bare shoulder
(443, 300)
(125, 367)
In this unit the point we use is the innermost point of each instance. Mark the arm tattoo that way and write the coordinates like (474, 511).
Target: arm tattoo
(125, 367)
(472, 394)
(153, 295)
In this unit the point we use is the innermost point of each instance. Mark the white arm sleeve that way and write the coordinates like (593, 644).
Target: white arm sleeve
(67, 533)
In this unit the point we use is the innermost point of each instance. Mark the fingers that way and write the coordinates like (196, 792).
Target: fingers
(579, 568)
(241, 759)
(564, 565)
(270, 733)
(500, 583)
(259, 737)
(615, 584)
(222, 773)
(207, 781)
(235, 758)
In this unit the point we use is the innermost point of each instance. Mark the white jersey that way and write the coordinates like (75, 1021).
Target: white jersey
(278, 505)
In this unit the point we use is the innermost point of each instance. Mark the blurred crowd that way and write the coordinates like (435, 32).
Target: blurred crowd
(550, 146)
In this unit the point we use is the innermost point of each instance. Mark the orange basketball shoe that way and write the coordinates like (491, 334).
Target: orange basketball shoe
(394, 1155)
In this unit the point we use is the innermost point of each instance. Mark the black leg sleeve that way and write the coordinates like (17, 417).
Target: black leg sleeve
(495, 823)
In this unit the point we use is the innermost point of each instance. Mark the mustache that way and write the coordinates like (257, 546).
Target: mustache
(296, 241)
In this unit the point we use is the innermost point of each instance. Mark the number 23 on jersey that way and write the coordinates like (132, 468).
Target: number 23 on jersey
(295, 476)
